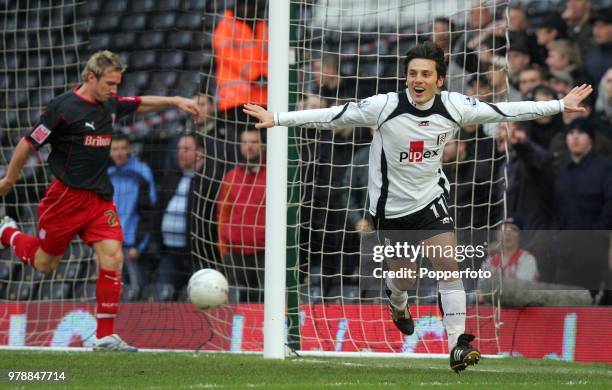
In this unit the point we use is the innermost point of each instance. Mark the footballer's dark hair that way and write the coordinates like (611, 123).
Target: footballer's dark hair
(427, 51)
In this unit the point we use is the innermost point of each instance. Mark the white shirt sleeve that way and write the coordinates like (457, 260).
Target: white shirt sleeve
(471, 111)
(366, 113)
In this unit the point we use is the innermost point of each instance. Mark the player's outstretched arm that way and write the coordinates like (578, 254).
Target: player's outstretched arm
(364, 113)
(157, 103)
(471, 111)
(18, 161)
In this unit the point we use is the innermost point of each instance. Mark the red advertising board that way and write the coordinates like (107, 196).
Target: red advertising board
(575, 334)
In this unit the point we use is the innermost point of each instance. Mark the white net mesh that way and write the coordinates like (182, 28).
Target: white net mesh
(348, 51)
(344, 50)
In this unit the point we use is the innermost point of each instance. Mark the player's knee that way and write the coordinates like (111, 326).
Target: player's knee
(114, 259)
(44, 262)
(44, 265)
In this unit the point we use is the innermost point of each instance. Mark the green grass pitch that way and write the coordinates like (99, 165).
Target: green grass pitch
(104, 370)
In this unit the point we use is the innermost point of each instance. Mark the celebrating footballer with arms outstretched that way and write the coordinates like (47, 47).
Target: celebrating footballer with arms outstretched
(407, 187)
(78, 125)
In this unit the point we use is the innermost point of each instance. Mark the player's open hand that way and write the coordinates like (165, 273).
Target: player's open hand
(572, 100)
(5, 186)
(189, 106)
(266, 118)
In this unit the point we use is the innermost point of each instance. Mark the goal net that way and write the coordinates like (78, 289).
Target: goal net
(342, 51)
(345, 51)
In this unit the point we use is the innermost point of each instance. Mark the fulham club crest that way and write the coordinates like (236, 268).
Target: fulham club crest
(441, 139)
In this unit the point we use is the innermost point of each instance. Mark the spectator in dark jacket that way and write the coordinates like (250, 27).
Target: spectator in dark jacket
(355, 196)
(358, 233)
(602, 141)
(544, 129)
(550, 28)
(583, 204)
(529, 189)
(599, 59)
(519, 57)
(530, 177)
(328, 81)
(471, 182)
(577, 15)
(175, 219)
(481, 28)
(474, 199)
(584, 185)
(135, 196)
(323, 212)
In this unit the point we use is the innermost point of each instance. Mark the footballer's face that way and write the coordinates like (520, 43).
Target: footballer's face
(422, 80)
(105, 86)
(120, 152)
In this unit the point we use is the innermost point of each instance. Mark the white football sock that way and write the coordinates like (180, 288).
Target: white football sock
(452, 296)
(398, 298)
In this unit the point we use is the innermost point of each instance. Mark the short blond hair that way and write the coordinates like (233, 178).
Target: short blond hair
(566, 48)
(101, 62)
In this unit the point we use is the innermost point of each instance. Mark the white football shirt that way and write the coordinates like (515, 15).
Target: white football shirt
(405, 165)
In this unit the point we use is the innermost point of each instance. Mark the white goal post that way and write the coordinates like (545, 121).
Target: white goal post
(276, 189)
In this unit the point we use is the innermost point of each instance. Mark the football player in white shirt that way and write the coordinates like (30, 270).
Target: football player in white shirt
(407, 187)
